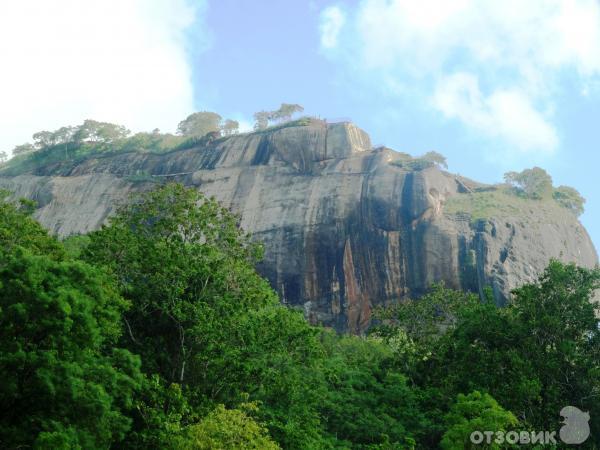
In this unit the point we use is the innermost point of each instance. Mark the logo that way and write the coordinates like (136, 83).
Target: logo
(576, 428)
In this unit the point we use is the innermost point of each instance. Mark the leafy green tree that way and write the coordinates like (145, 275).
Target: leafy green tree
(286, 111)
(475, 412)
(536, 356)
(533, 183)
(223, 428)
(98, 132)
(180, 258)
(202, 318)
(274, 356)
(368, 401)
(142, 141)
(199, 124)
(23, 149)
(483, 352)
(64, 136)
(261, 120)
(43, 139)
(230, 127)
(3, 156)
(160, 414)
(86, 131)
(435, 158)
(18, 229)
(64, 385)
(570, 198)
(413, 327)
(560, 316)
(109, 133)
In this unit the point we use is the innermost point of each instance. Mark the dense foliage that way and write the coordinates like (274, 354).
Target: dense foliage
(70, 145)
(201, 123)
(283, 114)
(65, 381)
(156, 332)
(536, 184)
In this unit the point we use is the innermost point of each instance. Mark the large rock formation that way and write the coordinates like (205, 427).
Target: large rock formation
(346, 227)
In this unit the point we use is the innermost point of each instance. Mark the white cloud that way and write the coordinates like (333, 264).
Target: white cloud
(507, 114)
(494, 65)
(121, 61)
(331, 23)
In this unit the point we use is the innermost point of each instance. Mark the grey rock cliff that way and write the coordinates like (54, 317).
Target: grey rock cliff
(344, 229)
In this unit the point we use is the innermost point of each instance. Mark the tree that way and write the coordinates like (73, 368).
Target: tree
(18, 229)
(223, 428)
(85, 131)
(561, 316)
(262, 119)
(64, 385)
(475, 412)
(367, 401)
(286, 111)
(532, 183)
(109, 133)
(178, 257)
(537, 355)
(43, 139)
(199, 124)
(202, 318)
(274, 355)
(3, 156)
(94, 131)
(435, 158)
(23, 149)
(413, 327)
(230, 127)
(569, 198)
(64, 135)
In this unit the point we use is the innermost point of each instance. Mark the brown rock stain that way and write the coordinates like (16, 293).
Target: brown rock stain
(358, 309)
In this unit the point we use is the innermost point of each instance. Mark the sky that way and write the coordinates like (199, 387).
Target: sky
(494, 85)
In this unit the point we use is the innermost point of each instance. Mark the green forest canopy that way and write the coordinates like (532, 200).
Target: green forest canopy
(156, 332)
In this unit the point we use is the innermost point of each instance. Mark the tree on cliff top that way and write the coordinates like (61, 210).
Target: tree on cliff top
(286, 111)
(283, 114)
(536, 183)
(569, 198)
(533, 183)
(200, 123)
(436, 158)
(261, 119)
(23, 149)
(230, 127)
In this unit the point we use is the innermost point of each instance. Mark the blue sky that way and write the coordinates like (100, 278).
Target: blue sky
(495, 85)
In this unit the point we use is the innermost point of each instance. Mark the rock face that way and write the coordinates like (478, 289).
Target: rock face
(344, 228)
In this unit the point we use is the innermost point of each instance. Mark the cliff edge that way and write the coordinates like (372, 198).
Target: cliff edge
(346, 227)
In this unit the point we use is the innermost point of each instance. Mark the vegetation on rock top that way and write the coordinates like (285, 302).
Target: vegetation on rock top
(94, 139)
(527, 193)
